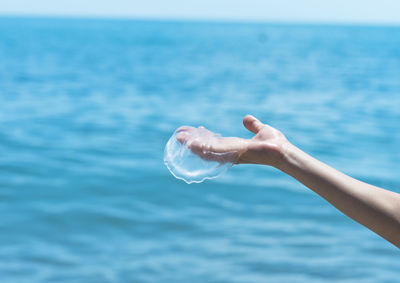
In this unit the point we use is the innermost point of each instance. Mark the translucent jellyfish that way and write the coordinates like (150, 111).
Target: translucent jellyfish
(189, 157)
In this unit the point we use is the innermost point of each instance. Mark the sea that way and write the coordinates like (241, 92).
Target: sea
(87, 106)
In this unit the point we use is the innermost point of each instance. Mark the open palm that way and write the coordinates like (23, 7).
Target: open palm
(266, 147)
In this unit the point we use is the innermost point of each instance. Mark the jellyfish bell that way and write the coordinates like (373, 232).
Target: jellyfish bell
(189, 155)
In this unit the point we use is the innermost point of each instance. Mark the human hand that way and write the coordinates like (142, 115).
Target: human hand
(266, 147)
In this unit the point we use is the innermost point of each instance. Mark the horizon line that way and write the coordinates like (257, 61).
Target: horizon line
(200, 19)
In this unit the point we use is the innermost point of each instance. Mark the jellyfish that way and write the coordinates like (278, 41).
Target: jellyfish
(190, 156)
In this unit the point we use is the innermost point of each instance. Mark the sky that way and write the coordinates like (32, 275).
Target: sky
(326, 11)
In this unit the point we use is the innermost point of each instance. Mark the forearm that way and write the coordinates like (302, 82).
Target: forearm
(376, 208)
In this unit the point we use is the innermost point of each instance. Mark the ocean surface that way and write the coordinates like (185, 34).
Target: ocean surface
(87, 106)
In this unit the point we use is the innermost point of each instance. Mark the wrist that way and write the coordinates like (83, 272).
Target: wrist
(288, 157)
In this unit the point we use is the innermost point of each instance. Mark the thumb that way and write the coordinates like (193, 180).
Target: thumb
(252, 124)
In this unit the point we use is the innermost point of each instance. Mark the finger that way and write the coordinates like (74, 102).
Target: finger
(203, 130)
(183, 137)
(200, 149)
(209, 153)
(184, 128)
(252, 124)
(185, 133)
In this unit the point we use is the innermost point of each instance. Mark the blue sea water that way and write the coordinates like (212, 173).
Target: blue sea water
(86, 107)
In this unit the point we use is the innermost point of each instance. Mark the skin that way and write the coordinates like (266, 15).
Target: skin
(375, 208)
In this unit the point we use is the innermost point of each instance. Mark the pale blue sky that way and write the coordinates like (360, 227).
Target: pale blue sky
(342, 11)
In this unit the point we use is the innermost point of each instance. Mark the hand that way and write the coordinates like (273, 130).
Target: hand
(266, 147)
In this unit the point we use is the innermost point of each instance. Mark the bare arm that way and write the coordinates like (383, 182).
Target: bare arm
(376, 208)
